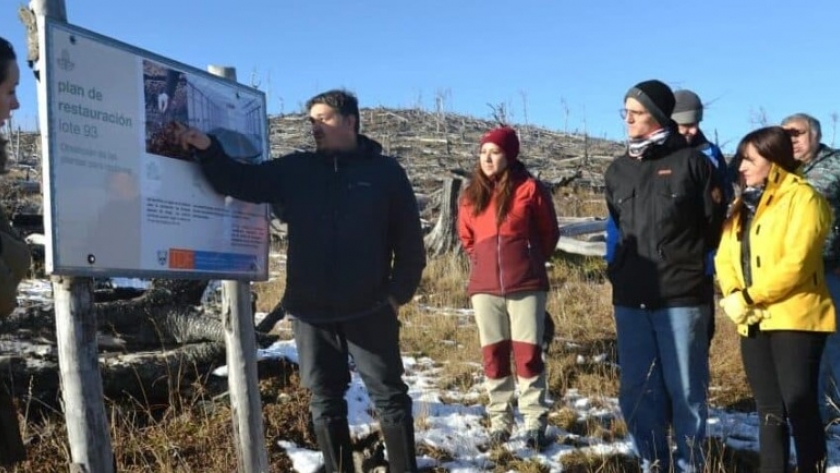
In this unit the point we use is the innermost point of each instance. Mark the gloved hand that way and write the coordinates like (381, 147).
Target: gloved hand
(756, 315)
(735, 307)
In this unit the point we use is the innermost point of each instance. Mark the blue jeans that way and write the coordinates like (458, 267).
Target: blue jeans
(829, 379)
(664, 360)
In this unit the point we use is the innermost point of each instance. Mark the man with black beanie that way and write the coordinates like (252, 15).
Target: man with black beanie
(667, 207)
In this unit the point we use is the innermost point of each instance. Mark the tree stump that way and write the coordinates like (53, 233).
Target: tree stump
(444, 237)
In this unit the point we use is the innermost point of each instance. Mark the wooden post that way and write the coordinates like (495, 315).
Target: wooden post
(241, 345)
(78, 360)
(81, 383)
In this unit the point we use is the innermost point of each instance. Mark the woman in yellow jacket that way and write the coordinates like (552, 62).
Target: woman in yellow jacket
(770, 267)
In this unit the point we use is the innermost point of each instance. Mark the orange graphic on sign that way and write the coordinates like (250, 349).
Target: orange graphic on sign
(181, 259)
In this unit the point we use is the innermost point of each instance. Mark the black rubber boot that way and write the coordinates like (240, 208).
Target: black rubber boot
(334, 442)
(11, 445)
(399, 444)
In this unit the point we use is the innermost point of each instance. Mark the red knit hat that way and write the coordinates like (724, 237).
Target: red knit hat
(505, 138)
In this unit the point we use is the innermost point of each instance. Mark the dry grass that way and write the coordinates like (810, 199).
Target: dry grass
(195, 435)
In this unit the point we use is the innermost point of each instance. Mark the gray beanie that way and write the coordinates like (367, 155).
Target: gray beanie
(688, 109)
(656, 97)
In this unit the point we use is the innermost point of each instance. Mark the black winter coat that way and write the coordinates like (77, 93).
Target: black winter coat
(353, 226)
(669, 208)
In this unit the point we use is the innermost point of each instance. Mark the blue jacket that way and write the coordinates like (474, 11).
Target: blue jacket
(715, 156)
(354, 227)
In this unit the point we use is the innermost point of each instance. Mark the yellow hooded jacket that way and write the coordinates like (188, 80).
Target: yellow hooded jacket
(786, 239)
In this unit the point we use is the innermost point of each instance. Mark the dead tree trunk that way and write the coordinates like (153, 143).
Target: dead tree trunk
(443, 238)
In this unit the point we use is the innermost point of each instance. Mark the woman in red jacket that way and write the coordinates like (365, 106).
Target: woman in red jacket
(508, 227)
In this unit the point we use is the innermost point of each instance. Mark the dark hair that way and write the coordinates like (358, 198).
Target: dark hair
(340, 100)
(773, 144)
(479, 191)
(7, 57)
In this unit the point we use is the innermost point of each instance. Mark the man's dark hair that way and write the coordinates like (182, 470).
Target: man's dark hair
(773, 144)
(340, 100)
(7, 57)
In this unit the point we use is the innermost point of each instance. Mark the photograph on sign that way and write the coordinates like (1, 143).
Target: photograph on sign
(165, 95)
(122, 198)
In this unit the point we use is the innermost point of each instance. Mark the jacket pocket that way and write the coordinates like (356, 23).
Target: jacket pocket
(672, 206)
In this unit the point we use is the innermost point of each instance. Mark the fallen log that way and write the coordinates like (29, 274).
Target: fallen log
(585, 248)
(149, 345)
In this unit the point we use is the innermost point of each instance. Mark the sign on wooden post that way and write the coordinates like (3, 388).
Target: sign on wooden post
(107, 110)
(240, 342)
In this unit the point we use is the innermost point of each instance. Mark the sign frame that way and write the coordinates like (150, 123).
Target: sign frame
(247, 266)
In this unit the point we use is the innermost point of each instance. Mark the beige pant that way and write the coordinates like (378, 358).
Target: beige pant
(513, 325)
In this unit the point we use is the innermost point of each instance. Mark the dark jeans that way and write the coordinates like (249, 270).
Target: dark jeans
(373, 341)
(782, 368)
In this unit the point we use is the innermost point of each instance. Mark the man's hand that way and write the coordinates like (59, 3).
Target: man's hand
(735, 307)
(188, 137)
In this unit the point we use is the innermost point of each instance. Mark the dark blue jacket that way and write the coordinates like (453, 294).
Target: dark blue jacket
(353, 226)
(716, 158)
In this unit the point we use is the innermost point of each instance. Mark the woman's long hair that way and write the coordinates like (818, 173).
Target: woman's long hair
(481, 190)
(7, 57)
(773, 143)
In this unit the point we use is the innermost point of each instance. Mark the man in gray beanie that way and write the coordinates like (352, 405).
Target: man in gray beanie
(666, 208)
(688, 113)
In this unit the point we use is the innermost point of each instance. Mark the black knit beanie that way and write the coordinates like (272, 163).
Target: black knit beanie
(656, 97)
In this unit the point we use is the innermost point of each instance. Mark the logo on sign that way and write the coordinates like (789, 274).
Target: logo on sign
(64, 61)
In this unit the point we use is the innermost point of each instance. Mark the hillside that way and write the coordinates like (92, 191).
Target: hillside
(431, 146)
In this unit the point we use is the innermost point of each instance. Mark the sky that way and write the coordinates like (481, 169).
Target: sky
(559, 64)
(451, 420)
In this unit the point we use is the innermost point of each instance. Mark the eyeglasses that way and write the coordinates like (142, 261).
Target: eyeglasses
(633, 113)
(795, 132)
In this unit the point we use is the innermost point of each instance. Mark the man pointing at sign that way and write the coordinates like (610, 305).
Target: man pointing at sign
(355, 255)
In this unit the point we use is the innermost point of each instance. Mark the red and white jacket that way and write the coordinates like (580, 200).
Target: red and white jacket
(510, 257)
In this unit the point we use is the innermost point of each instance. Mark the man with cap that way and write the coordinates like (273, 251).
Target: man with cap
(688, 113)
(821, 168)
(667, 206)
